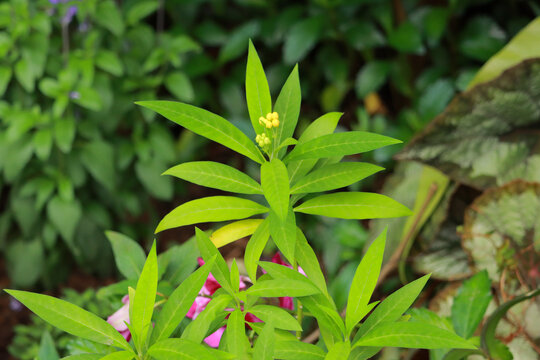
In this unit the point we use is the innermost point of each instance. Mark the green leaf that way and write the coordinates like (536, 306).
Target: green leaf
(26, 262)
(24, 75)
(364, 282)
(180, 349)
(339, 351)
(275, 184)
(142, 307)
(89, 98)
(324, 125)
(64, 133)
(278, 271)
(65, 216)
(108, 15)
(236, 41)
(83, 357)
(470, 304)
(288, 109)
(339, 144)
(42, 142)
(98, 158)
(406, 38)
(198, 328)
(147, 171)
(280, 318)
(254, 249)
(460, 354)
(301, 39)
(353, 205)
(108, 61)
(393, 307)
(234, 231)
(330, 322)
(210, 209)
(257, 92)
(372, 76)
(334, 176)
(206, 124)
(140, 10)
(209, 251)
(180, 86)
(284, 234)
(179, 302)
(215, 175)
(237, 343)
(266, 343)
(47, 351)
(182, 261)
(481, 38)
(128, 254)
(297, 350)
(487, 339)
(70, 318)
(119, 355)
(280, 288)
(5, 77)
(415, 335)
(307, 260)
(235, 276)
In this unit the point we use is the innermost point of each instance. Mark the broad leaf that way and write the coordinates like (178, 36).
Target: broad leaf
(215, 175)
(208, 251)
(284, 233)
(470, 304)
(334, 176)
(237, 343)
(142, 306)
(180, 349)
(280, 318)
(206, 124)
(197, 330)
(416, 335)
(339, 144)
(288, 108)
(254, 249)
(280, 288)
(257, 92)
(265, 345)
(119, 355)
(353, 205)
(210, 209)
(70, 318)
(297, 350)
(179, 302)
(128, 255)
(234, 231)
(275, 184)
(364, 282)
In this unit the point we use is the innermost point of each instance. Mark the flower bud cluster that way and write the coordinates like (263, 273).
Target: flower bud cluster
(262, 140)
(271, 120)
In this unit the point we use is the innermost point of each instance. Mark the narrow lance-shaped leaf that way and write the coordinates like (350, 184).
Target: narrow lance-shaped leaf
(198, 329)
(280, 288)
(235, 276)
(234, 231)
(178, 304)
(210, 209)
(284, 234)
(215, 175)
(209, 251)
(180, 349)
(206, 124)
(70, 318)
(364, 282)
(119, 355)
(128, 254)
(281, 318)
(339, 351)
(288, 108)
(83, 357)
(145, 296)
(266, 342)
(339, 144)
(308, 261)
(255, 247)
(334, 176)
(275, 184)
(258, 97)
(298, 350)
(47, 350)
(353, 205)
(237, 342)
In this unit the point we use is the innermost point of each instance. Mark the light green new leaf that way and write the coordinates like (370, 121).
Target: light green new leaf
(70, 318)
(198, 329)
(334, 176)
(237, 343)
(278, 271)
(330, 323)
(47, 351)
(145, 296)
(255, 247)
(364, 282)
(275, 184)
(284, 233)
(339, 351)
(297, 350)
(208, 251)
(393, 307)
(307, 260)
(235, 276)
(258, 97)
(339, 144)
(179, 302)
(280, 288)
(265, 345)
(234, 231)
(180, 349)
(119, 355)
(280, 318)
(215, 175)
(288, 108)
(470, 304)
(206, 124)
(353, 205)
(416, 335)
(210, 209)
(83, 357)
(323, 125)
(128, 254)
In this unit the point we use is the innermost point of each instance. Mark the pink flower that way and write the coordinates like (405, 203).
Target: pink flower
(120, 319)
(285, 302)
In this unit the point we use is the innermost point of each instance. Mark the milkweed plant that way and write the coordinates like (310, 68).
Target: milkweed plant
(257, 315)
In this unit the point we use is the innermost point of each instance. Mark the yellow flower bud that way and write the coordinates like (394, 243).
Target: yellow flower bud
(262, 120)
(269, 116)
(268, 124)
(275, 115)
(275, 122)
(267, 141)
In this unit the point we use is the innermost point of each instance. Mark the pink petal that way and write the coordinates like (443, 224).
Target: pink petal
(119, 318)
(197, 307)
(286, 303)
(214, 338)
